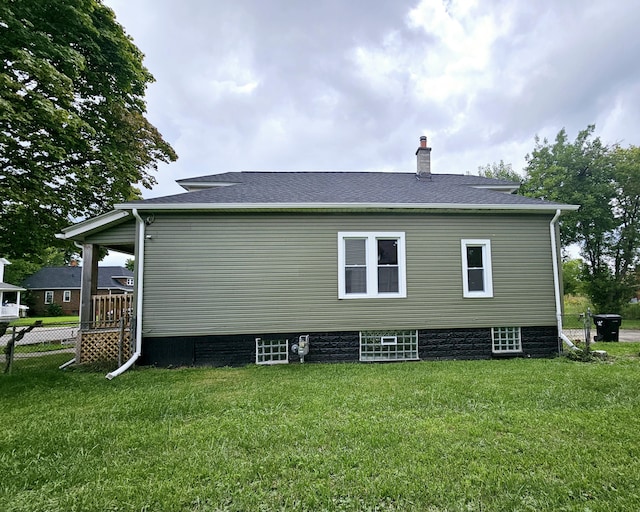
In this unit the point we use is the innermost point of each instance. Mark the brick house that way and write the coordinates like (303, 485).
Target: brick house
(61, 285)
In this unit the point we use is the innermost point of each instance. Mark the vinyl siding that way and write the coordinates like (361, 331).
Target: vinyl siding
(124, 233)
(211, 274)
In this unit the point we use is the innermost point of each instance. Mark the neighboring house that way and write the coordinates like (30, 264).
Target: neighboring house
(10, 307)
(353, 266)
(61, 286)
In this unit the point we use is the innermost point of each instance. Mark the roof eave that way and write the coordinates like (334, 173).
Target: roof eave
(509, 189)
(547, 207)
(6, 287)
(82, 229)
(192, 186)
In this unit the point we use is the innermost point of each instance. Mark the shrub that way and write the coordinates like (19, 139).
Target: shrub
(54, 309)
(631, 311)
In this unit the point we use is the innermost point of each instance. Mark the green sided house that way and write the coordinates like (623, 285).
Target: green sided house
(275, 267)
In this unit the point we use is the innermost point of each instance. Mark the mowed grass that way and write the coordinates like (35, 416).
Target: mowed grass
(46, 320)
(494, 435)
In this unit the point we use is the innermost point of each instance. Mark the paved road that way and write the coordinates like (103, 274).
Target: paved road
(43, 335)
(629, 335)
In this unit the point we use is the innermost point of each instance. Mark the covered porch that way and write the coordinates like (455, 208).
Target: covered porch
(10, 307)
(107, 322)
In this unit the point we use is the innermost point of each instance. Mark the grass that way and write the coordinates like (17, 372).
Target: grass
(41, 347)
(491, 435)
(46, 320)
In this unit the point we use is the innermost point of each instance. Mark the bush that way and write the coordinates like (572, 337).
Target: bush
(54, 309)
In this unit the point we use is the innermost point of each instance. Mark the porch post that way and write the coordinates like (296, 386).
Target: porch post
(89, 283)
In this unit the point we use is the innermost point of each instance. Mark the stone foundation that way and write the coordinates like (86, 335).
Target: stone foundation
(338, 347)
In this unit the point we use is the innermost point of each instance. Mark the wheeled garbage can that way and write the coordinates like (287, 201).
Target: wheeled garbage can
(607, 327)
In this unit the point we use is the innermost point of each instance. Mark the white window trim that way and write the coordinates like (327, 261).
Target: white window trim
(372, 265)
(66, 296)
(46, 294)
(487, 269)
(497, 330)
(130, 281)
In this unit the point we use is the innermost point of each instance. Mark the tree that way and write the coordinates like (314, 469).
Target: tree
(73, 134)
(20, 269)
(625, 239)
(129, 264)
(572, 273)
(500, 171)
(604, 182)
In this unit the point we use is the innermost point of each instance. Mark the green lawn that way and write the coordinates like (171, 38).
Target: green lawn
(41, 347)
(495, 435)
(46, 320)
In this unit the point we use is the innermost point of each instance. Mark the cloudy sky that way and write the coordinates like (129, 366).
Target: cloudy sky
(348, 84)
(337, 84)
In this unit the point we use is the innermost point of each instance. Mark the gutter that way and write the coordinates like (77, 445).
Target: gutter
(556, 279)
(139, 296)
(519, 207)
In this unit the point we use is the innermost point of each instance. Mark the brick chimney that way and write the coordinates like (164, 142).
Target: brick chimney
(423, 154)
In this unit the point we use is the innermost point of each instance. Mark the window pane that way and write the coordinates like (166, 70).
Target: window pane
(387, 252)
(355, 280)
(355, 252)
(387, 279)
(474, 257)
(476, 280)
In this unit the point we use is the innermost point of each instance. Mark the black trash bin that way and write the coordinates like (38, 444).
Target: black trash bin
(607, 326)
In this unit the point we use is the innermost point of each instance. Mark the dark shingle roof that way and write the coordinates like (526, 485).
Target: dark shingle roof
(345, 188)
(68, 278)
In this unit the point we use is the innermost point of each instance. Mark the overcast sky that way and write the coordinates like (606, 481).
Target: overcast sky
(348, 84)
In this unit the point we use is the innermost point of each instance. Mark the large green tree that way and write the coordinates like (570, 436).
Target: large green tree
(500, 171)
(74, 137)
(605, 182)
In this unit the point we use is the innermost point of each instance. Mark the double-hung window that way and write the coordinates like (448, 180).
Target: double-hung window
(48, 297)
(66, 296)
(477, 278)
(371, 265)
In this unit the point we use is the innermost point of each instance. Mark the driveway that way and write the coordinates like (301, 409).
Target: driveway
(629, 335)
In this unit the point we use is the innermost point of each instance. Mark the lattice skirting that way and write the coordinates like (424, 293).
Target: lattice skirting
(103, 345)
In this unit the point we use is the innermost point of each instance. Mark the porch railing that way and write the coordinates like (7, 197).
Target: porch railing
(9, 311)
(109, 309)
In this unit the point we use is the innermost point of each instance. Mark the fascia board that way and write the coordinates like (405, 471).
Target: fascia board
(88, 226)
(345, 206)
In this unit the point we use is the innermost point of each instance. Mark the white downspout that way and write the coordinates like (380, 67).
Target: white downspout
(556, 279)
(139, 295)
